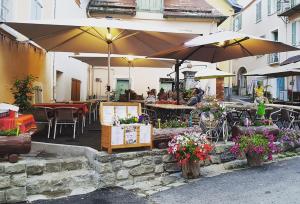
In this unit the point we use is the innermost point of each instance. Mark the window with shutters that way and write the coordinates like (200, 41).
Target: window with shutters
(150, 5)
(237, 23)
(5, 10)
(36, 10)
(295, 2)
(258, 12)
(273, 6)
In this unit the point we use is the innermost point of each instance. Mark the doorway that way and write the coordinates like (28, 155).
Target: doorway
(280, 87)
(122, 85)
(75, 90)
(242, 81)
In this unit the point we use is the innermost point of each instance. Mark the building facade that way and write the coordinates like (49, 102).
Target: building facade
(55, 72)
(267, 19)
(195, 16)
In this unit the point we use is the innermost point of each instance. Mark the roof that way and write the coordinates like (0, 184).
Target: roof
(191, 8)
(124, 7)
(172, 8)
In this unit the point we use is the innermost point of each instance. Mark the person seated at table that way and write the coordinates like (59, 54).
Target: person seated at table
(196, 98)
(151, 98)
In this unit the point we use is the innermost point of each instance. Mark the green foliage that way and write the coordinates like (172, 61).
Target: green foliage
(22, 91)
(174, 124)
(129, 120)
(12, 132)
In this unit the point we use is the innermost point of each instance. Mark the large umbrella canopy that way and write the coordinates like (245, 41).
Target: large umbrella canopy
(212, 74)
(105, 35)
(100, 60)
(92, 35)
(223, 46)
(291, 60)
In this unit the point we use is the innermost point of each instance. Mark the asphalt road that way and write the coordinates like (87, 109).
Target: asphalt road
(274, 183)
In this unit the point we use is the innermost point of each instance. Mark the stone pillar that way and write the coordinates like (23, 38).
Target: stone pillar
(220, 89)
(189, 79)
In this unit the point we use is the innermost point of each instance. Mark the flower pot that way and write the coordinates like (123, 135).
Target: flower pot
(254, 160)
(191, 170)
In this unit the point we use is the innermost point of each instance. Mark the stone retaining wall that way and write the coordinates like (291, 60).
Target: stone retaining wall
(131, 168)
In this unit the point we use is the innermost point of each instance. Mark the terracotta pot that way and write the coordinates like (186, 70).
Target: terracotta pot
(191, 170)
(254, 160)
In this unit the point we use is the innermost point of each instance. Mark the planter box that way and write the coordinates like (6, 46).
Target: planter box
(241, 130)
(163, 136)
(12, 146)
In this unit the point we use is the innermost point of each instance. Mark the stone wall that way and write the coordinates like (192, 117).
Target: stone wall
(131, 168)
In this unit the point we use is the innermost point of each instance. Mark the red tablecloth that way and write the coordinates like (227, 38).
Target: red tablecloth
(81, 106)
(25, 122)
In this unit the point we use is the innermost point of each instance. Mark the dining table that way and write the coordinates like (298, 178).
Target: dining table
(25, 122)
(82, 107)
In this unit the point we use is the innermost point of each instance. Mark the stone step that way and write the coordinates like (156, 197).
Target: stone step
(62, 183)
(38, 167)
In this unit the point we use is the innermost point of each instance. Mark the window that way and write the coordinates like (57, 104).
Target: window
(4, 10)
(274, 57)
(150, 5)
(258, 12)
(237, 23)
(36, 10)
(294, 33)
(273, 6)
(295, 2)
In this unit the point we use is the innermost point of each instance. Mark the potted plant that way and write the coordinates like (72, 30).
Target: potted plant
(189, 149)
(23, 91)
(256, 147)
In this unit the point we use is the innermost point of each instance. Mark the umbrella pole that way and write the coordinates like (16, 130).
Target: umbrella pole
(177, 65)
(129, 82)
(108, 70)
(293, 88)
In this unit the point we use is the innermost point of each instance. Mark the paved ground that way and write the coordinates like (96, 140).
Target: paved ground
(104, 196)
(90, 136)
(275, 183)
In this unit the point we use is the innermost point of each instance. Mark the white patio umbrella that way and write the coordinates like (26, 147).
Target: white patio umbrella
(222, 46)
(125, 61)
(105, 35)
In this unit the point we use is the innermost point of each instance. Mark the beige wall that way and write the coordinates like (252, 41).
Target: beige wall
(16, 62)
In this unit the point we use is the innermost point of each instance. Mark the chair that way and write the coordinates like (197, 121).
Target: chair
(290, 118)
(65, 116)
(43, 115)
(93, 110)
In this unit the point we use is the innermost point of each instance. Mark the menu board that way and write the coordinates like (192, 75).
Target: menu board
(108, 114)
(133, 111)
(117, 135)
(130, 135)
(121, 111)
(145, 134)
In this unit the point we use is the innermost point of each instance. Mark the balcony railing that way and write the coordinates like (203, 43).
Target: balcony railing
(288, 7)
(273, 58)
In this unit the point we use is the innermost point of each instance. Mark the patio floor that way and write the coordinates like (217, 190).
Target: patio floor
(90, 136)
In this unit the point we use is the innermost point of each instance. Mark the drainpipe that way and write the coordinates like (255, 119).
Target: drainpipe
(53, 61)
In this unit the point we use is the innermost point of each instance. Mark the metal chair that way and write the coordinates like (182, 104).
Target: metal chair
(43, 115)
(151, 114)
(93, 110)
(65, 116)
